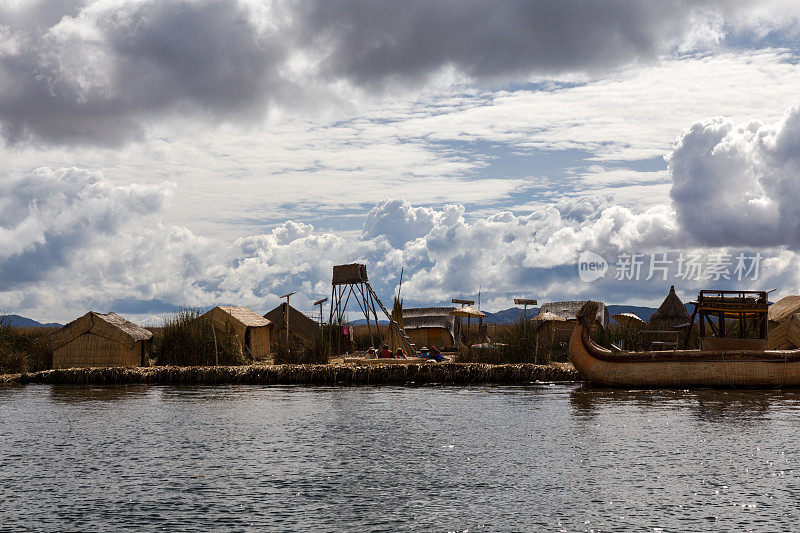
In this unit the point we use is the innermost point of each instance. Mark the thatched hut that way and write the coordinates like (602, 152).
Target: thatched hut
(431, 326)
(569, 310)
(560, 330)
(784, 324)
(97, 339)
(252, 331)
(782, 309)
(544, 327)
(301, 328)
(671, 313)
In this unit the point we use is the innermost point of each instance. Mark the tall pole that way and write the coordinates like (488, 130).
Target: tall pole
(525, 302)
(465, 303)
(320, 303)
(286, 314)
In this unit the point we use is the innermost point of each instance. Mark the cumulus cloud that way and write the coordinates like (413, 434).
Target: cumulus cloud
(737, 184)
(52, 213)
(73, 239)
(400, 222)
(75, 71)
(141, 266)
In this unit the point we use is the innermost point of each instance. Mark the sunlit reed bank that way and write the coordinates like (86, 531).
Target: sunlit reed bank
(24, 349)
(185, 340)
(300, 351)
(332, 374)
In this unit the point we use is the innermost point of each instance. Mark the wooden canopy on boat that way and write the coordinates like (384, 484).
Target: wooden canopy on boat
(731, 320)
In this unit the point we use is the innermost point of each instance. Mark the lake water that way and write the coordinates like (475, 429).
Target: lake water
(540, 457)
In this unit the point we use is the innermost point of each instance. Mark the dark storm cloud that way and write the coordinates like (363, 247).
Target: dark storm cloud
(141, 61)
(73, 72)
(372, 42)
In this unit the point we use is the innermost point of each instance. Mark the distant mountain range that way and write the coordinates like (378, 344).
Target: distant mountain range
(24, 322)
(513, 314)
(506, 316)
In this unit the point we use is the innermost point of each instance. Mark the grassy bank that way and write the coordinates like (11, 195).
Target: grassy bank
(315, 351)
(186, 341)
(332, 374)
(24, 349)
(514, 343)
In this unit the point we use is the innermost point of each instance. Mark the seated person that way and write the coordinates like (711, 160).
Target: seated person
(424, 353)
(371, 353)
(435, 354)
(399, 354)
(386, 353)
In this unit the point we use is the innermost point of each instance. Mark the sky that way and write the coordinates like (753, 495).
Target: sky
(158, 154)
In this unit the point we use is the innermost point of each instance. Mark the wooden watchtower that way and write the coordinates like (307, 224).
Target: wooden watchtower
(351, 281)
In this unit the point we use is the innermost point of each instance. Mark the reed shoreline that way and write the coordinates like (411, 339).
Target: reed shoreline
(330, 374)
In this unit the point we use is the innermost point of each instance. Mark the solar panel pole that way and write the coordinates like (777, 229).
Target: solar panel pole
(320, 303)
(525, 302)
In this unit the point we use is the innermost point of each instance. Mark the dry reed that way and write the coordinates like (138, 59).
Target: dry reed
(425, 373)
(316, 350)
(24, 349)
(186, 340)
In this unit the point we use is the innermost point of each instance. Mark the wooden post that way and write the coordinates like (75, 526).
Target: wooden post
(287, 318)
(214, 333)
(525, 302)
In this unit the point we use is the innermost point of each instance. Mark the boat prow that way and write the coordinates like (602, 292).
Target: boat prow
(680, 368)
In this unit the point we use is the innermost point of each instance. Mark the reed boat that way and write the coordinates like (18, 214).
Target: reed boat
(721, 362)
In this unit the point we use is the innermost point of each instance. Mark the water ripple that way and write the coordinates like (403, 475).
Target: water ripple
(248, 458)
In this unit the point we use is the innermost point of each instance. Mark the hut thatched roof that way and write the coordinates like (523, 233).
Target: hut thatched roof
(243, 315)
(110, 326)
(568, 310)
(467, 311)
(548, 317)
(298, 322)
(785, 334)
(671, 309)
(628, 319)
(784, 308)
(430, 317)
